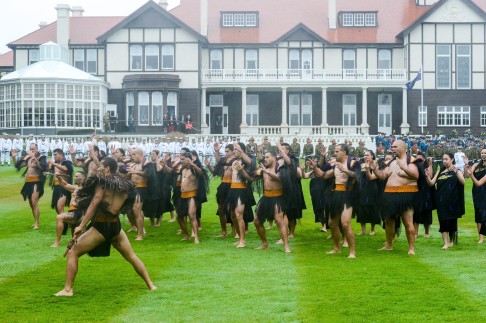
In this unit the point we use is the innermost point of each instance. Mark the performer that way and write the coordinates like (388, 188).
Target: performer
(400, 194)
(369, 195)
(5, 148)
(190, 199)
(18, 146)
(449, 198)
(73, 216)
(33, 188)
(342, 200)
(89, 165)
(61, 166)
(477, 174)
(102, 197)
(273, 204)
(424, 214)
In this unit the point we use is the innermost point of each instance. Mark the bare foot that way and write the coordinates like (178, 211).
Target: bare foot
(386, 247)
(481, 241)
(372, 233)
(152, 287)
(451, 244)
(446, 246)
(132, 229)
(427, 235)
(171, 220)
(269, 228)
(323, 230)
(157, 225)
(35, 227)
(241, 244)
(185, 238)
(196, 241)
(139, 238)
(64, 293)
(55, 245)
(222, 235)
(362, 233)
(287, 249)
(237, 236)
(333, 252)
(352, 256)
(279, 242)
(345, 245)
(411, 252)
(291, 236)
(263, 246)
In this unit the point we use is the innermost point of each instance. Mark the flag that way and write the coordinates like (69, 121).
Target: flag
(411, 84)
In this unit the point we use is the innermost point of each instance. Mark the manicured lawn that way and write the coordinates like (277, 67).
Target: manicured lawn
(215, 282)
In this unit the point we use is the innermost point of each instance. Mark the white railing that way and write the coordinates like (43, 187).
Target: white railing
(302, 130)
(318, 75)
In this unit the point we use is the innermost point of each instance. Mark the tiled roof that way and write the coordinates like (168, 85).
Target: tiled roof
(6, 59)
(83, 31)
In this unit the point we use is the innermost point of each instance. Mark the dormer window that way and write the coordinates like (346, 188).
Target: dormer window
(239, 19)
(358, 19)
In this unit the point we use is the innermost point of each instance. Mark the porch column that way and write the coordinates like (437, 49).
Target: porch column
(404, 127)
(243, 110)
(204, 126)
(365, 127)
(324, 125)
(284, 107)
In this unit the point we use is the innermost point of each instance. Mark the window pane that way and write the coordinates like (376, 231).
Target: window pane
(151, 57)
(157, 108)
(463, 67)
(143, 108)
(251, 19)
(239, 19)
(216, 58)
(227, 19)
(443, 66)
(79, 59)
(384, 59)
(168, 56)
(251, 59)
(136, 57)
(349, 59)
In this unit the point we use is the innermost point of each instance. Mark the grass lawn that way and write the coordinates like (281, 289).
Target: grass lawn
(215, 282)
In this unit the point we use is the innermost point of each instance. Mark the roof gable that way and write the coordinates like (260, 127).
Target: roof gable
(151, 15)
(300, 33)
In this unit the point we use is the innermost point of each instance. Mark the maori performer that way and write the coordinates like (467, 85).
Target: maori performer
(400, 194)
(33, 188)
(477, 174)
(192, 195)
(345, 173)
(240, 198)
(102, 197)
(62, 167)
(369, 194)
(89, 165)
(449, 198)
(424, 214)
(73, 216)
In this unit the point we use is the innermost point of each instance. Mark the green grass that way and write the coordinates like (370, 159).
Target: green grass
(215, 282)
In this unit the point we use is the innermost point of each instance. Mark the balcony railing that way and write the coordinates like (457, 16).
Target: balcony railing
(289, 75)
(302, 130)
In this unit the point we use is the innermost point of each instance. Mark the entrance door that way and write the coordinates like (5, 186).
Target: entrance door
(225, 120)
(384, 113)
(216, 120)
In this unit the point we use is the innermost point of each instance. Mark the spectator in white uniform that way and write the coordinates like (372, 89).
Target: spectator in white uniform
(18, 146)
(43, 145)
(68, 143)
(5, 148)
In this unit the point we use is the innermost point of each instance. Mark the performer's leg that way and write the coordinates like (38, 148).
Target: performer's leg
(60, 220)
(86, 242)
(222, 221)
(407, 219)
(335, 234)
(481, 237)
(192, 216)
(389, 233)
(182, 223)
(348, 232)
(60, 204)
(292, 226)
(261, 232)
(240, 223)
(137, 209)
(34, 205)
(283, 226)
(123, 246)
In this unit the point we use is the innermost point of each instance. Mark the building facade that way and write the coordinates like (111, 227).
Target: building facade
(270, 67)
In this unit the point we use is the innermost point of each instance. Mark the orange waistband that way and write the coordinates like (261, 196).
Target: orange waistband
(401, 189)
(226, 179)
(141, 184)
(72, 208)
(108, 217)
(178, 183)
(56, 182)
(32, 179)
(186, 195)
(340, 187)
(238, 185)
(273, 193)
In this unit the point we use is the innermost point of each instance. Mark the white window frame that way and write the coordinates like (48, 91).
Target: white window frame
(251, 59)
(239, 20)
(130, 106)
(168, 56)
(151, 52)
(157, 108)
(347, 19)
(143, 101)
(227, 20)
(306, 109)
(370, 19)
(172, 101)
(359, 19)
(443, 75)
(216, 56)
(252, 110)
(251, 19)
(34, 56)
(384, 58)
(422, 116)
(453, 116)
(463, 68)
(483, 116)
(294, 109)
(91, 61)
(349, 110)
(136, 52)
(78, 59)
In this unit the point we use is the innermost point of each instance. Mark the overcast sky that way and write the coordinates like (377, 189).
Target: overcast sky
(21, 17)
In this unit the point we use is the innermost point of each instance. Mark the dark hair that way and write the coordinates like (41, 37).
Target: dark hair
(230, 147)
(286, 145)
(110, 163)
(344, 148)
(187, 155)
(156, 151)
(82, 173)
(121, 150)
(58, 151)
(372, 153)
(242, 146)
(271, 152)
(186, 150)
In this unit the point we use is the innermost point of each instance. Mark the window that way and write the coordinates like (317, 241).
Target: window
(294, 59)
(168, 57)
(384, 59)
(215, 100)
(443, 66)
(216, 59)
(39, 113)
(151, 58)
(422, 116)
(28, 113)
(157, 108)
(349, 59)
(239, 19)
(61, 113)
(87, 114)
(33, 56)
(251, 59)
(135, 57)
(358, 19)
(78, 114)
(300, 59)
(463, 72)
(453, 116)
(86, 60)
(70, 114)
(252, 109)
(172, 104)
(39, 91)
(349, 109)
(143, 108)
(300, 109)
(483, 116)
(130, 106)
(79, 59)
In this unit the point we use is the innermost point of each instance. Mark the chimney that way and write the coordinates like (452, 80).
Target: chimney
(164, 4)
(77, 11)
(331, 11)
(42, 24)
(204, 17)
(63, 11)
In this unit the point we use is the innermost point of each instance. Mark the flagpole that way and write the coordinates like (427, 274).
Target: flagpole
(422, 93)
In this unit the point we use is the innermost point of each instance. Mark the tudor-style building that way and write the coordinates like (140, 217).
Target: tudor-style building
(282, 67)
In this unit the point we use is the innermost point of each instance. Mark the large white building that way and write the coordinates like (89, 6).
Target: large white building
(283, 66)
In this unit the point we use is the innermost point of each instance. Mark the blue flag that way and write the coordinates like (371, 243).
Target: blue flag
(411, 84)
